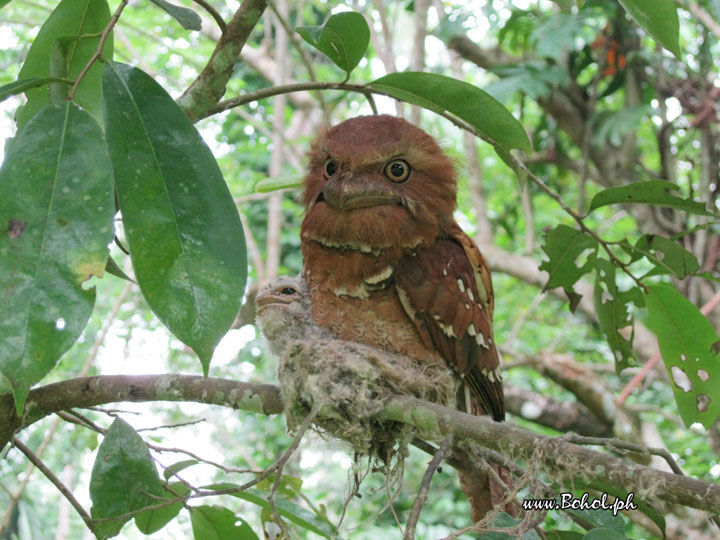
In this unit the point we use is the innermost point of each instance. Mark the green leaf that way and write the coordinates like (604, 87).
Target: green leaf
(22, 85)
(292, 512)
(153, 520)
(667, 254)
(611, 307)
(70, 18)
(686, 341)
(111, 267)
(441, 94)
(4, 3)
(266, 185)
(344, 38)
(187, 18)
(177, 467)
(564, 247)
(56, 221)
(657, 192)
(658, 18)
(122, 476)
(183, 229)
(218, 523)
(600, 518)
(604, 533)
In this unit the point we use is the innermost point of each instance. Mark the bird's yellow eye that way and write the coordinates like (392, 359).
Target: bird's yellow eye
(330, 167)
(397, 170)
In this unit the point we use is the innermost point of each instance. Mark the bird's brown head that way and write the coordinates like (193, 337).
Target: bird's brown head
(375, 182)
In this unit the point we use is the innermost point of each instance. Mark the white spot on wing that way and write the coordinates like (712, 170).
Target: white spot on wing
(381, 276)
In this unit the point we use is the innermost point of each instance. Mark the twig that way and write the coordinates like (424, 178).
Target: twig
(587, 127)
(425, 487)
(303, 53)
(172, 426)
(98, 52)
(56, 482)
(279, 465)
(213, 13)
(79, 419)
(617, 444)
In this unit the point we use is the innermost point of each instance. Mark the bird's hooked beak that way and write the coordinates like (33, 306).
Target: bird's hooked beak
(350, 193)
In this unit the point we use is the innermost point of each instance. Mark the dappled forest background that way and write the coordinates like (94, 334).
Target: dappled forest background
(604, 105)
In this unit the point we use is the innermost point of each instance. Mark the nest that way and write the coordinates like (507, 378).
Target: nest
(349, 383)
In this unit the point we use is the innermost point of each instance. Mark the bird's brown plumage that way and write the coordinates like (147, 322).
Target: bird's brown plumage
(386, 263)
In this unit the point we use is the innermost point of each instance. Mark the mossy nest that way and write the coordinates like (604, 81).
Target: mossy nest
(349, 383)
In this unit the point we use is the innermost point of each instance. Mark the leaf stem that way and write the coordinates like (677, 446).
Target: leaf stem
(98, 52)
(213, 12)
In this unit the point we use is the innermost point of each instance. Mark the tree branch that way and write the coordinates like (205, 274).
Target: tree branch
(209, 87)
(37, 462)
(559, 459)
(90, 391)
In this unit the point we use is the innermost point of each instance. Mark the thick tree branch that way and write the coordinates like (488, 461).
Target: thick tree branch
(559, 459)
(90, 391)
(209, 87)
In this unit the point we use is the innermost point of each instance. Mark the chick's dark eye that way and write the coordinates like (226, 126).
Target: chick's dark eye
(288, 290)
(397, 170)
(330, 167)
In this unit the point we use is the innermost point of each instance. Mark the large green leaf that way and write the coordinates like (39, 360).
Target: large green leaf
(218, 523)
(187, 18)
(658, 18)
(70, 18)
(467, 102)
(344, 38)
(122, 479)
(611, 306)
(565, 248)
(657, 192)
(56, 212)
(686, 340)
(183, 229)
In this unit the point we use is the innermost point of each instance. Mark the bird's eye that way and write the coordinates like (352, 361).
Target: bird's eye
(288, 290)
(397, 170)
(330, 167)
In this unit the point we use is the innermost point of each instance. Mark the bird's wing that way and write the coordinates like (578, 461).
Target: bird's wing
(446, 291)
